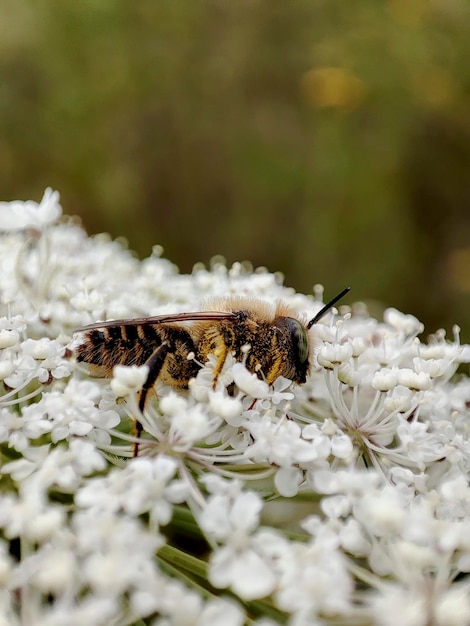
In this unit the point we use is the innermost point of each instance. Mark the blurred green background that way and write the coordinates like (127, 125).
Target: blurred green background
(326, 139)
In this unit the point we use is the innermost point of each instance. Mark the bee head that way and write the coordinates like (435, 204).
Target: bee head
(292, 354)
(299, 341)
(300, 346)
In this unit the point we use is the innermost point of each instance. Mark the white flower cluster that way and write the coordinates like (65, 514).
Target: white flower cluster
(342, 501)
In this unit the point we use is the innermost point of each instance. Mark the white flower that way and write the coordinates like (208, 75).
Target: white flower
(8, 338)
(353, 538)
(453, 607)
(278, 442)
(113, 561)
(413, 380)
(408, 324)
(17, 215)
(238, 563)
(128, 379)
(230, 409)
(287, 481)
(421, 446)
(29, 515)
(313, 579)
(66, 467)
(385, 379)
(52, 570)
(203, 384)
(145, 485)
(249, 383)
(409, 606)
(395, 605)
(280, 391)
(384, 514)
(32, 459)
(6, 369)
(331, 355)
(455, 493)
(189, 427)
(72, 412)
(224, 514)
(221, 612)
(176, 604)
(329, 439)
(48, 355)
(245, 571)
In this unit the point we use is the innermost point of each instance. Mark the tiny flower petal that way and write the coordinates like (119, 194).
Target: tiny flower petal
(17, 215)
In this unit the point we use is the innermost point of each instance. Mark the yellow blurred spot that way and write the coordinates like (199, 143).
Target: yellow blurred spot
(433, 87)
(408, 12)
(459, 269)
(332, 87)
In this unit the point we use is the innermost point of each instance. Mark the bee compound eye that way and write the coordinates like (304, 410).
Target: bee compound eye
(299, 339)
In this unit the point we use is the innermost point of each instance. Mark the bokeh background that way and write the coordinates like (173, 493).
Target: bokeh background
(326, 139)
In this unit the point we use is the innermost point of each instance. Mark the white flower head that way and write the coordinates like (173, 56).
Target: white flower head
(369, 459)
(407, 324)
(331, 355)
(18, 215)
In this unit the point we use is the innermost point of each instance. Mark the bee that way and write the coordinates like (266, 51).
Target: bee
(278, 340)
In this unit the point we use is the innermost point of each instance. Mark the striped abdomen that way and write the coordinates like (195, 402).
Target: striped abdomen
(119, 345)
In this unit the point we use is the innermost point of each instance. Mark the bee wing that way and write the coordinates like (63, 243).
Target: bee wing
(161, 319)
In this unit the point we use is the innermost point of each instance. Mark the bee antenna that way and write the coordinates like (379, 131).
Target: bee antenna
(327, 307)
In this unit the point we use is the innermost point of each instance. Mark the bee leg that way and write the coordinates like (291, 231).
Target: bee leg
(221, 358)
(138, 431)
(218, 343)
(155, 364)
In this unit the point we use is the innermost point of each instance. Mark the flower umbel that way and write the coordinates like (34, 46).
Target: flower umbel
(341, 500)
